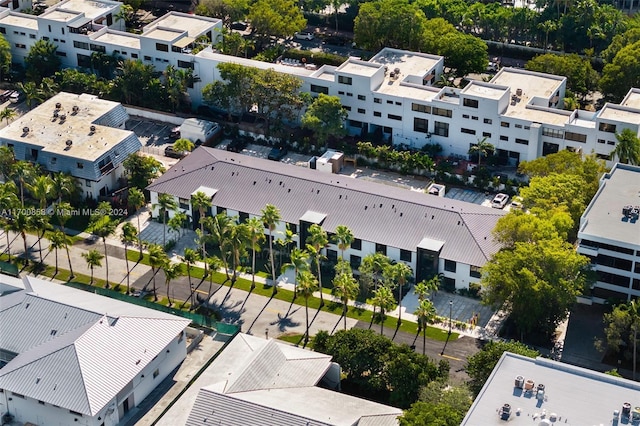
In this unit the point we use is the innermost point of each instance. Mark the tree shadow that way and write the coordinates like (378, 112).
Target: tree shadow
(259, 313)
(284, 322)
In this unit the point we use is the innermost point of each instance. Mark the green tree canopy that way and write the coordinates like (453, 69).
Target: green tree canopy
(326, 117)
(440, 404)
(5, 57)
(622, 73)
(581, 77)
(276, 18)
(42, 60)
(627, 148)
(536, 283)
(141, 170)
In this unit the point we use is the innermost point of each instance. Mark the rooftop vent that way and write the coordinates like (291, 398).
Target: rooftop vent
(63, 117)
(75, 109)
(397, 71)
(68, 143)
(505, 412)
(626, 409)
(25, 130)
(55, 113)
(518, 92)
(58, 105)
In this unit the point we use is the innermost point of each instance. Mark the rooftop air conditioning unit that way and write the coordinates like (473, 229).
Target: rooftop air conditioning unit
(519, 382)
(68, 142)
(25, 130)
(58, 105)
(75, 109)
(63, 117)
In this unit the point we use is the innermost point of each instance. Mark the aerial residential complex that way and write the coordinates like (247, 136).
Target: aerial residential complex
(610, 234)
(69, 356)
(526, 391)
(430, 234)
(77, 134)
(518, 111)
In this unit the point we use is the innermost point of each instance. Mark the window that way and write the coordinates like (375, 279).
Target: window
(54, 160)
(488, 121)
(75, 413)
(220, 210)
(606, 127)
(394, 117)
(362, 98)
(468, 131)
(527, 127)
(465, 116)
(362, 111)
(475, 272)
(518, 126)
(147, 58)
(87, 183)
(345, 80)
(614, 279)
(63, 54)
(32, 36)
(611, 143)
(134, 55)
(441, 129)
(504, 138)
(161, 47)
(97, 48)
(381, 248)
(473, 117)
(183, 203)
(80, 45)
(420, 125)
(449, 265)
(613, 262)
(405, 255)
(399, 103)
(390, 102)
(349, 94)
(420, 108)
(45, 38)
(546, 131)
(319, 89)
(62, 29)
(471, 103)
(184, 64)
(605, 157)
(601, 141)
(355, 261)
(522, 141)
(377, 114)
(49, 28)
(377, 100)
(3, 30)
(340, 92)
(348, 108)
(21, 46)
(332, 255)
(578, 137)
(84, 60)
(442, 112)
(156, 373)
(80, 165)
(356, 244)
(504, 124)
(41, 402)
(486, 134)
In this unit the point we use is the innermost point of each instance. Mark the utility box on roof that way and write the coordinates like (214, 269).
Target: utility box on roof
(199, 131)
(330, 162)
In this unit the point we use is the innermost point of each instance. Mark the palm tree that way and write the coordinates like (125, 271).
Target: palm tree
(157, 258)
(103, 226)
(20, 225)
(424, 288)
(270, 219)
(345, 287)
(31, 92)
(317, 240)
(63, 213)
(8, 201)
(171, 272)
(183, 145)
(40, 223)
(42, 188)
(190, 257)
(425, 312)
(372, 267)
(307, 284)
(23, 171)
(136, 200)
(57, 240)
(383, 298)
(7, 160)
(299, 261)
(397, 274)
(93, 258)
(8, 114)
(343, 238)
(237, 242)
(255, 229)
(547, 27)
(165, 204)
(64, 184)
(177, 222)
(201, 202)
(214, 263)
(128, 237)
(218, 227)
(482, 148)
(628, 147)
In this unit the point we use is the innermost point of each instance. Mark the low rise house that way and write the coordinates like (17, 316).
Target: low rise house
(68, 356)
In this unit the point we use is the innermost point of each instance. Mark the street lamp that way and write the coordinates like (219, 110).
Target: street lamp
(450, 314)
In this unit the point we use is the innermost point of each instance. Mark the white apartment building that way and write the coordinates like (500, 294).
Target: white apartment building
(610, 235)
(518, 111)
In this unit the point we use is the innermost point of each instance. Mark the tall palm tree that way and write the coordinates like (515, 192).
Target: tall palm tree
(128, 237)
(627, 148)
(42, 188)
(171, 272)
(482, 148)
(383, 298)
(345, 287)
(424, 288)
(8, 114)
(425, 312)
(237, 243)
(40, 223)
(165, 204)
(64, 184)
(201, 202)
(397, 274)
(32, 92)
(255, 229)
(157, 258)
(8, 201)
(63, 213)
(23, 172)
(343, 237)
(317, 240)
(307, 284)
(372, 267)
(93, 259)
(136, 200)
(214, 263)
(270, 219)
(57, 240)
(190, 257)
(21, 224)
(218, 227)
(104, 226)
(298, 261)
(7, 160)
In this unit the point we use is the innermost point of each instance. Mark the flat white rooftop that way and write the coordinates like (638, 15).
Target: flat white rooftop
(484, 90)
(632, 99)
(60, 15)
(52, 134)
(358, 67)
(531, 83)
(193, 25)
(410, 63)
(120, 39)
(162, 34)
(91, 8)
(285, 69)
(576, 396)
(546, 116)
(603, 218)
(20, 20)
(620, 113)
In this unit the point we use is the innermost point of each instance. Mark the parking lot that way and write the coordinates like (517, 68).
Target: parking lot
(151, 133)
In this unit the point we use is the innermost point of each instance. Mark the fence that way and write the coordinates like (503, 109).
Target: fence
(153, 150)
(202, 320)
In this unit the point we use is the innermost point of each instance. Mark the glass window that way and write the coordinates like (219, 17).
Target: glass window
(442, 112)
(319, 89)
(161, 47)
(449, 265)
(606, 127)
(471, 103)
(504, 124)
(356, 244)
(394, 117)
(441, 129)
(420, 108)
(345, 80)
(420, 125)
(488, 121)
(381, 248)
(405, 255)
(475, 271)
(468, 131)
(362, 98)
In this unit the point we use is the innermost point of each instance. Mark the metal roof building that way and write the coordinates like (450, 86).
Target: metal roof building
(67, 354)
(542, 392)
(414, 227)
(268, 383)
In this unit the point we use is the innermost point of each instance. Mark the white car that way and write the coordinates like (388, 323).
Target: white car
(499, 201)
(303, 36)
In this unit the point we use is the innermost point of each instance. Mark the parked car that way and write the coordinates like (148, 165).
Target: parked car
(6, 94)
(175, 133)
(277, 153)
(499, 201)
(16, 97)
(303, 36)
(172, 153)
(240, 26)
(237, 145)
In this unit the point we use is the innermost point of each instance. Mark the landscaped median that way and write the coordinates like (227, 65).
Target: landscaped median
(359, 314)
